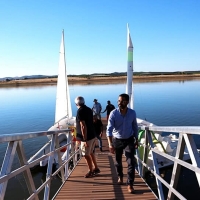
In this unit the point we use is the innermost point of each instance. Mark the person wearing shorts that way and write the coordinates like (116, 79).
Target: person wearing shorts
(86, 133)
(89, 149)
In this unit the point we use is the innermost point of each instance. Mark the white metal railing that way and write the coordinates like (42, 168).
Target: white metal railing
(15, 145)
(185, 140)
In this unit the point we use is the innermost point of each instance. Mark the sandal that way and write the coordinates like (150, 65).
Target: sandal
(96, 171)
(89, 175)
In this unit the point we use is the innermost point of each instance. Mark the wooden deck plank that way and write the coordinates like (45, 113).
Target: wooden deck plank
(104, 185)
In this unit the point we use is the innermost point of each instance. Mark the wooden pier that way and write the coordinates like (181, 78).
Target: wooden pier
(104, 185)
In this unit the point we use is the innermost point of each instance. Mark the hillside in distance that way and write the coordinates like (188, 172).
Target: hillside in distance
(114, 74)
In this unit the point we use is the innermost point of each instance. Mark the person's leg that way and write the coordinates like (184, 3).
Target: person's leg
(90, 153)
(94, 161)
(129, 153)
(118, 145)
(99, 141)
(99, 116)
(93, 157)
(96, 170)
(118, 159)
(89, 163)
(86, 153)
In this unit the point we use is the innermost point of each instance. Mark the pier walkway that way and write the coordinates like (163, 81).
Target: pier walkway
(103, 185)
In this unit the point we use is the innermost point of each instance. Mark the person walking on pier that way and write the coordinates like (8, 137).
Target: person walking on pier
(97, 108)
(109, 108)
(122, 134)
(85, 131)
(98, 127)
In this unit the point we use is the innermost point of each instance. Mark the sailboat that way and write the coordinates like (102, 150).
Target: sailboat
(167, 144)
(63, 109)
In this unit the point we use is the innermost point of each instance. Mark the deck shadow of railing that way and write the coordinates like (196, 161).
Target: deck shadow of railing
(117, 188)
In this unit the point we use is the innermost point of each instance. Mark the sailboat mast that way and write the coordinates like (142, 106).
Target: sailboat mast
(65, 72)
(63, 104)
(129, 87)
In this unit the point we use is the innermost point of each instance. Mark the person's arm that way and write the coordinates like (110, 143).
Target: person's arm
(100, 108)
(84, 131)
(110, 141)
(109, 133)
(135, 129)
(104, 111)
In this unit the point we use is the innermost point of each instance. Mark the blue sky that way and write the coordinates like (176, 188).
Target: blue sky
(165, 35)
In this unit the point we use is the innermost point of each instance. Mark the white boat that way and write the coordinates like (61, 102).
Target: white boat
(166, 144)
(63, 110)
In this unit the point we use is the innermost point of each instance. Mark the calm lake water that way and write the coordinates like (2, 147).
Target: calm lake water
(32, 108)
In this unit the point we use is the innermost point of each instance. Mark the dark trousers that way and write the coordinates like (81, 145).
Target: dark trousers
(128, 146)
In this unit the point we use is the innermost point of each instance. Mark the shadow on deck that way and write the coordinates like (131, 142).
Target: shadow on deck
(103, 185)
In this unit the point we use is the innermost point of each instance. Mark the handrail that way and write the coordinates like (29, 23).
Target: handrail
(15, 145)
(174, 129)
(27, 135)
(185, 140)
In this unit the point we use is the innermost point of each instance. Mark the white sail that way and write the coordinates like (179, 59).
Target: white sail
(63, 111)
(129, 84)
(63, 103)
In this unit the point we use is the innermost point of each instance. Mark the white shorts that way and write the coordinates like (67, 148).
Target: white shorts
(86, 151)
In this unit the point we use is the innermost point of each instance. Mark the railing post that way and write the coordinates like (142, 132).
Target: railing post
(67, 156)
(156, 169)
(49, 169)
(194, 155)
(74, 158)
(177, 168)
(146, 153)
(27, 174)
(6, 166)
(59, 158)
(139, 165)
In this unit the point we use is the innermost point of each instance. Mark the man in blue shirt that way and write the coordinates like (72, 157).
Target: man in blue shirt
(122, 134)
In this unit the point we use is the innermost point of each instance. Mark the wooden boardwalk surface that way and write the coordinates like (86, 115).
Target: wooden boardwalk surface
(104, 185)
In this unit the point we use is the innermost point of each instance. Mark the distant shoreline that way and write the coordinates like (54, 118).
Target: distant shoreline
(102, 80)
